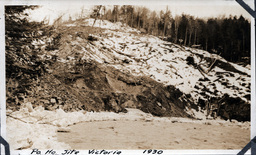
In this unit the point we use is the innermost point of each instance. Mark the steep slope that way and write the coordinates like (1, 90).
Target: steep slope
(130, 51)
(101, 87)
(142, 55)
(112, 66)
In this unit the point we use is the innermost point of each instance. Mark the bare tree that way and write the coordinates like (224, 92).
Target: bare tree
(177, 23)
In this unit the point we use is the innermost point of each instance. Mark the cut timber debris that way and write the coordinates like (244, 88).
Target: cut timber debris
(202, 71)
(62, 129)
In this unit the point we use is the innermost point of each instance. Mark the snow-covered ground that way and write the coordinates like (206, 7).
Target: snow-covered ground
(130, 51)
(39, 127)
(141, 55)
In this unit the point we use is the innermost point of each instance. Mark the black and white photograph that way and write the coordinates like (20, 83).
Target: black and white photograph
(84, 76)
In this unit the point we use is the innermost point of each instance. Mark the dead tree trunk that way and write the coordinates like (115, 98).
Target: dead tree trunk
(97, 15)
(186, 34)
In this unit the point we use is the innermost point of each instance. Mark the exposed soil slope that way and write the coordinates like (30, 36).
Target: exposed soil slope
(112, 67)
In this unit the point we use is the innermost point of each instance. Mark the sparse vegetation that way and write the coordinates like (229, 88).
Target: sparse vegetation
(228, 36)
(71, 68)
(93, 70)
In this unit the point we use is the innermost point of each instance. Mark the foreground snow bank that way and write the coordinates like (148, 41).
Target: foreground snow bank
(37, 128)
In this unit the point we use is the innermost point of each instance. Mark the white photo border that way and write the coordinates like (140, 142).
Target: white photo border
(123, 2)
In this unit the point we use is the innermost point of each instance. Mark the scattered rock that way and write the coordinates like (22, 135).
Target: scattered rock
(29, 106)
(53, 101)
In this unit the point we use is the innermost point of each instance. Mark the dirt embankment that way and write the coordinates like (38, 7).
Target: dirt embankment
(72, 78)
(99, 87)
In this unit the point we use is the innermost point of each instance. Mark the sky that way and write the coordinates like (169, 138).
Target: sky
(197, 8)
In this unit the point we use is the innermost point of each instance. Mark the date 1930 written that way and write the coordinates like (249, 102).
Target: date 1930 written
(153, 152)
